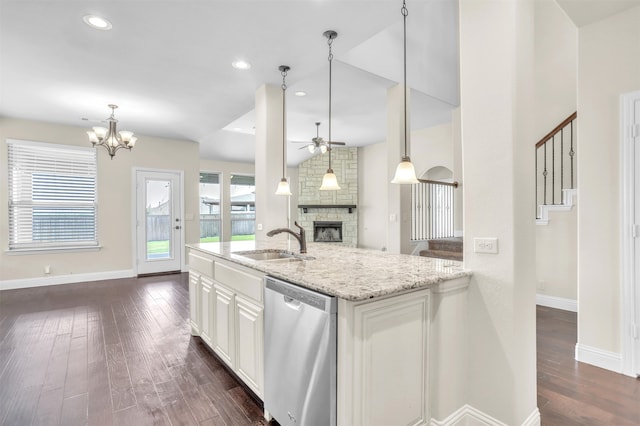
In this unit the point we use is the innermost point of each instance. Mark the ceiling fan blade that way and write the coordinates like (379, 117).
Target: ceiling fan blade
(337, 143)
(305, 147)
(307, 142)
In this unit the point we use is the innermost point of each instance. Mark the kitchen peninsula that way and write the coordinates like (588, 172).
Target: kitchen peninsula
(401, 322)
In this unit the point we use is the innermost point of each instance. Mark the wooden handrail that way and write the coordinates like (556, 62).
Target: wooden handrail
(559, 127)
(454, 184)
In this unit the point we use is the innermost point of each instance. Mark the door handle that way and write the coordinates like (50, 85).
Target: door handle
(177, 227)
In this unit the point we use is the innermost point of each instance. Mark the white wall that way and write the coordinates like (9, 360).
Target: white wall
(608, 66)
(115, 231)
(496, 70)
(557, 257)
(556, 66)
(556, 79)
(432, 147)
(372, 196)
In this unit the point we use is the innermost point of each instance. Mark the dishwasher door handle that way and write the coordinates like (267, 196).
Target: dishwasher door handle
(292, 303)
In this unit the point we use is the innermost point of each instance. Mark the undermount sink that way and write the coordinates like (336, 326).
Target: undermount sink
(272, 255)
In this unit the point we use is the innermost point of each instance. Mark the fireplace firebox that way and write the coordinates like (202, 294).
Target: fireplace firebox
(327, 232)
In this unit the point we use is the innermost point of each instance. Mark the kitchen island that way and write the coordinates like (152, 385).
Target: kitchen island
(401, 322)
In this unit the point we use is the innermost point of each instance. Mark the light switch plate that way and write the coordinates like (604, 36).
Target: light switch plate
(485, 245)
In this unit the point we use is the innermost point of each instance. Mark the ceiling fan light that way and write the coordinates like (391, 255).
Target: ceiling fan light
(405, 172)
(311, 148)
(283, 187)
(329, 182)
(323, 148)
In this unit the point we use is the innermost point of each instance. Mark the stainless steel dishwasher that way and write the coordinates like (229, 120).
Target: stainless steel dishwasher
(299, 355)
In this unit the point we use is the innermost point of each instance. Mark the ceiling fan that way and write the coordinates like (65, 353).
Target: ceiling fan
(318, 143)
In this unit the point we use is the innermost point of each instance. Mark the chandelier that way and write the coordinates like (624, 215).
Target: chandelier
(110, 138)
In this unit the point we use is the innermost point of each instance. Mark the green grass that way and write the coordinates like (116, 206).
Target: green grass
(157, 247)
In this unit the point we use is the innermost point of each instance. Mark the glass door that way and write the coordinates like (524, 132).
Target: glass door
(159, 222)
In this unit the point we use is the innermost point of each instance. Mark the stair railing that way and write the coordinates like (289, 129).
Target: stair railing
(432, 209)
(555, 163)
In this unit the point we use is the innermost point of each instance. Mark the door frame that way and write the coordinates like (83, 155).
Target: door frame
(630, 289)
(134, 214)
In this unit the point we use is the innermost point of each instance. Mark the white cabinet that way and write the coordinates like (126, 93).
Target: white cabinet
(226, 311)
(223, 332)
(383, 361)
(206, 309)
(249, 343)
(194, 302)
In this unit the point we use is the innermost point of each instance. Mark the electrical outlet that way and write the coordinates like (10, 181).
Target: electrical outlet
(485, 245)
(259, 227)
(542, 284)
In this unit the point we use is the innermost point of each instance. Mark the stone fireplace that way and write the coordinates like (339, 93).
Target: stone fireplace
(330, 206)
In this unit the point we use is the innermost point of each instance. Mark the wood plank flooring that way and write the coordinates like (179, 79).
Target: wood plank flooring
(119, 352)
(115, 352)
(574, 393)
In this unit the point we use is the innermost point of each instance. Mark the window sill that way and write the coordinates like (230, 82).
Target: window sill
(70, 249)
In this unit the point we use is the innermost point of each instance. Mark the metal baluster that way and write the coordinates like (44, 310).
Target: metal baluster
(545, 173)
(571, 154)
(536, 183)
(561, 162)
(553, 170)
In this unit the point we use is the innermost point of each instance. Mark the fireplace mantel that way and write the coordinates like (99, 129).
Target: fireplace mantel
(305, 207)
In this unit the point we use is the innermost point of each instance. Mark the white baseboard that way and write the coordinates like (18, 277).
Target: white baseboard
(470, 416)
(65, 279)
(557, 302)
(600, 358)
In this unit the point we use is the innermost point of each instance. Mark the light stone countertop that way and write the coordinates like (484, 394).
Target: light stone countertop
(348, 273)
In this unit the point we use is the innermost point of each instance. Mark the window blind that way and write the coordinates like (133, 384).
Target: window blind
(52, 196)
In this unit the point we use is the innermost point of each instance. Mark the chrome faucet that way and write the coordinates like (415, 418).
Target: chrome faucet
(300, 237)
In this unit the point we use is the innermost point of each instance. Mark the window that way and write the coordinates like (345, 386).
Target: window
(209, 207)
(52, 196)
(243, 207)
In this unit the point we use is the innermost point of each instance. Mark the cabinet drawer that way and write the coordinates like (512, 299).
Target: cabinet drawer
(240, 281)
(201, 262)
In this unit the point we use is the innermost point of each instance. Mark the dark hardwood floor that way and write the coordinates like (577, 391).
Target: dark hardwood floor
(574, 393)
(119, 352)
(115, 352)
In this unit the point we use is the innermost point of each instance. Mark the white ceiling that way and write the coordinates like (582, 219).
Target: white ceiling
(167, 64)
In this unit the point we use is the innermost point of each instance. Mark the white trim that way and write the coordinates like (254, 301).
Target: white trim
(628, 287)
(557, 302)
(457, 233)
(568, 201)
(470, 415)
(65, 279)
(600, 358)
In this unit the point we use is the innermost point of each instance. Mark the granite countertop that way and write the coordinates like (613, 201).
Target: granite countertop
(345, 272)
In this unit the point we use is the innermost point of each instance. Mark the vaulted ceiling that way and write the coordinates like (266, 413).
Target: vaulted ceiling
(167, 64)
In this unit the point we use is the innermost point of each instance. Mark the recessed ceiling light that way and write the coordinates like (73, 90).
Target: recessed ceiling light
(97, 22)
(241, 65)
(301, 93)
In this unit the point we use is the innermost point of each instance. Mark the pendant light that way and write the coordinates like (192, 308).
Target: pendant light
(283, 186)
(329, 180)
(405, 172)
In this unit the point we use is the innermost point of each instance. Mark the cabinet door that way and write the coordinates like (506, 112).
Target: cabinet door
(249, 344)
(194, 303)
(206, 311)
(383, 362)
(223, 333)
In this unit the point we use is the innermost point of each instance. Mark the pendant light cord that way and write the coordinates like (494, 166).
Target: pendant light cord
(283, 71)
(330, 42)
(405, 12)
